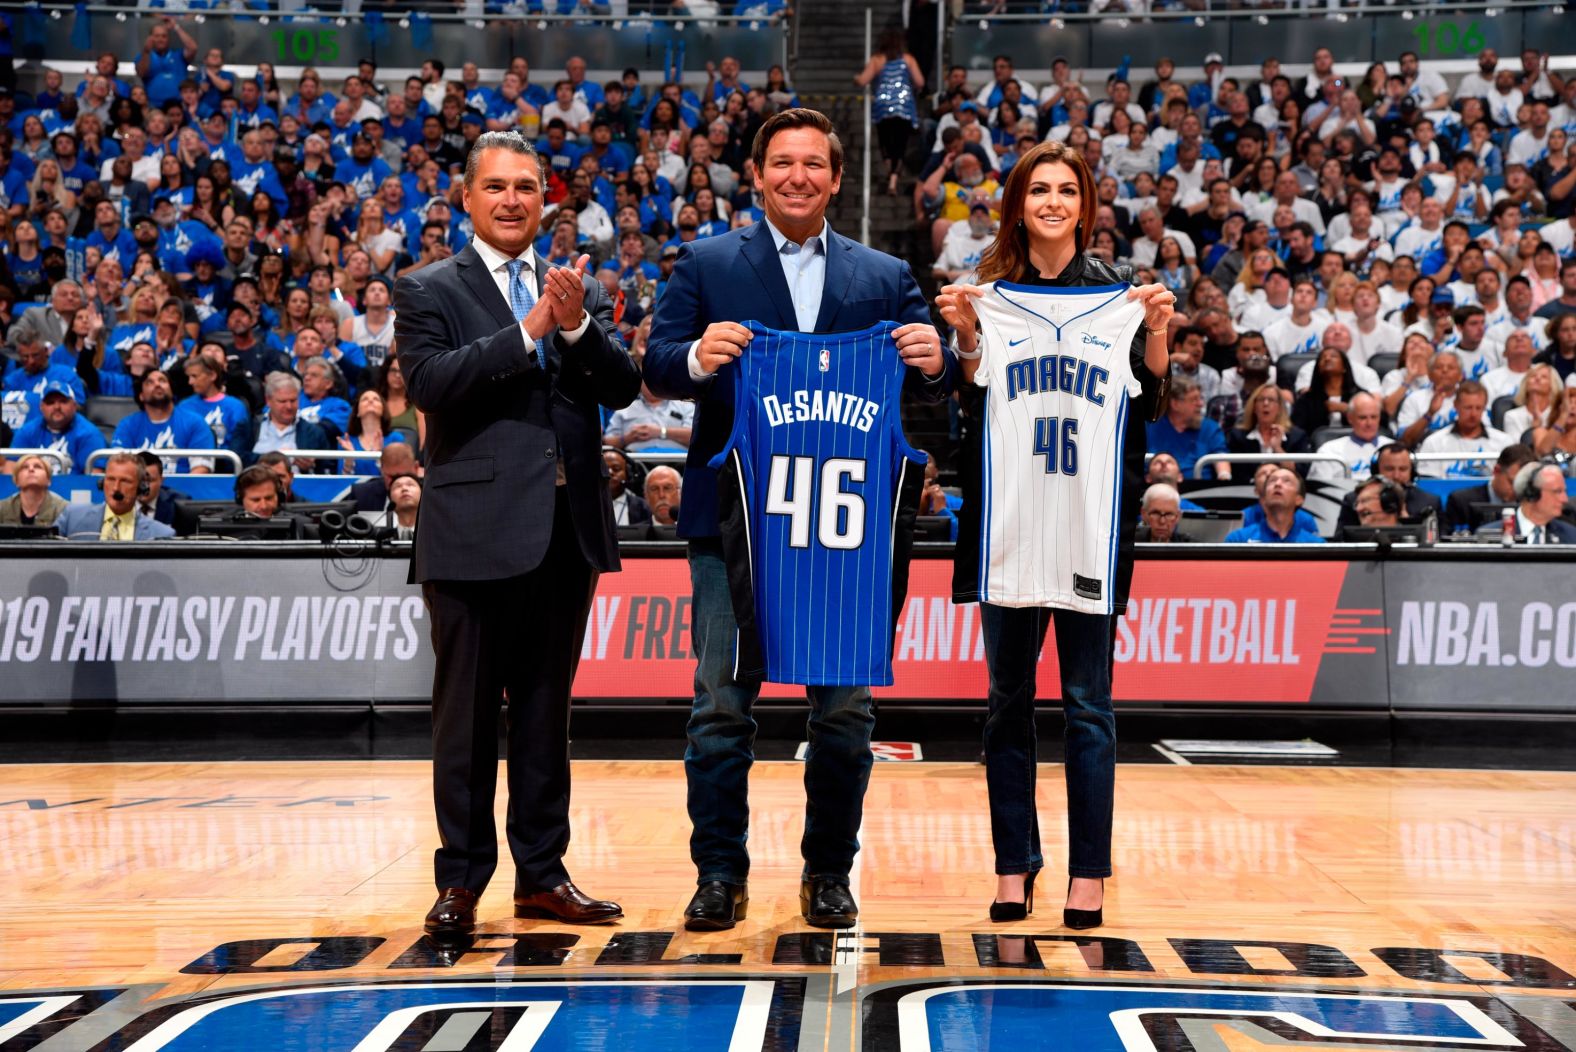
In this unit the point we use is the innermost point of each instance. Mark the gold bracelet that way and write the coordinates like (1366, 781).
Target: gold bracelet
(1154, 332)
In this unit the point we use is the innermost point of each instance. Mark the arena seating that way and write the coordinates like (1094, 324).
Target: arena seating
(201, 208)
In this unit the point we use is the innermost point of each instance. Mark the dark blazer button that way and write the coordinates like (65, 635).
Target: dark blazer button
(549, 453)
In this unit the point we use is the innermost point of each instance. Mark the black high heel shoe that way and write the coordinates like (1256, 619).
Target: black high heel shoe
(1082, 919)
(1016, 911)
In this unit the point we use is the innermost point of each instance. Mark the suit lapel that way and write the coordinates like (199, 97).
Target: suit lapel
(474, 273)
(839, 275)
(761, 251)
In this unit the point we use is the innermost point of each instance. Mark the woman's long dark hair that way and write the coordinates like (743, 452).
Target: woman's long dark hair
(1008, 256)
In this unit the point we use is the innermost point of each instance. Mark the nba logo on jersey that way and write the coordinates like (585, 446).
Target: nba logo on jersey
(1057, 365)
(816, 495)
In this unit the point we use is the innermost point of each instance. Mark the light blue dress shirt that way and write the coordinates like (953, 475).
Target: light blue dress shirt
(804, 269)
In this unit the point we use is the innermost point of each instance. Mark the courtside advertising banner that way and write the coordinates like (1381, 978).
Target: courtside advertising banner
(348, 628)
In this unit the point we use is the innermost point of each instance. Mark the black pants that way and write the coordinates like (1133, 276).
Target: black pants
(894, 133)
(523, 635)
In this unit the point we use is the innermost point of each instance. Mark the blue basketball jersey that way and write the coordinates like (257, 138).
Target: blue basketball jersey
(817, 494)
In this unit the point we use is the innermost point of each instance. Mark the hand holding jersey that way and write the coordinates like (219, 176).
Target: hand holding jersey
(918, 345)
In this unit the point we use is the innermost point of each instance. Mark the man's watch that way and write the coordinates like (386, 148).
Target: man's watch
(664, 428)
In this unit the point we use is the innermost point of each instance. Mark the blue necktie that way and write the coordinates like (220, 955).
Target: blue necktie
(521, 301)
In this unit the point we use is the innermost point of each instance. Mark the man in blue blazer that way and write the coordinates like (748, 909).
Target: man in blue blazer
(116, 519)
(790, 272)
(509, 359)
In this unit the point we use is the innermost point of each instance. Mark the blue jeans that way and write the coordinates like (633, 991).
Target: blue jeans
(721, 735)
(1013, 639)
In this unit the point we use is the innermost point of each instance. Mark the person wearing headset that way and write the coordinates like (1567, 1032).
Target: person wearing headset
(1396, 463)
(258, 492)
(116, 519)
(1540, 487)
(1379, 502)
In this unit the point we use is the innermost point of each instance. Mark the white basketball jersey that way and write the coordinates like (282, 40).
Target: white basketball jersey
(1058, 367)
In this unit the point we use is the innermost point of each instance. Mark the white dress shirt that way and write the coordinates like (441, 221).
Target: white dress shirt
(498, 266)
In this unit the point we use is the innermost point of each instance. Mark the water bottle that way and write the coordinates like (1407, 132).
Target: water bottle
(1507, 526)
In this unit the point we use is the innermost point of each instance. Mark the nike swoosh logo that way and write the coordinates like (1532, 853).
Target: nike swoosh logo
(1014, 343)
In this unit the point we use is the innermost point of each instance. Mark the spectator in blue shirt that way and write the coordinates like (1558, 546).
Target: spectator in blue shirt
(363, 171)
(253, 172)
(1184, 432)
(162, 67)
(226, 416)
(161, 425)
(584, 90)
(110, 237)
(560, 155)
(319, 404)
(73, 173)
(59, 428)
(1283, 496)
(250, 111)
(26, 382)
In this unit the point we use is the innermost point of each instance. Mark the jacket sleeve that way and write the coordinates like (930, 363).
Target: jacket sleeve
(678, 324)
(598, 366)
(912, 308)
(442, 377)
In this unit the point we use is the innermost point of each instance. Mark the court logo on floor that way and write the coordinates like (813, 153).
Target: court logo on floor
(659, 1015)
(965, 1016)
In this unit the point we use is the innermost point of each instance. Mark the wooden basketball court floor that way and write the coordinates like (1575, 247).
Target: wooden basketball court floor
(278, 906)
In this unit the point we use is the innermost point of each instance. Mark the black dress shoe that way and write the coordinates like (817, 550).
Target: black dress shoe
(826, 902)
(717, 906)
(566, 903)
(453, 914)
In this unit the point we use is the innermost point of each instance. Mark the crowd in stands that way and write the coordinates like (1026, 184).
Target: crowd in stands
(1360, 264)
(197, 259)
(194, 258)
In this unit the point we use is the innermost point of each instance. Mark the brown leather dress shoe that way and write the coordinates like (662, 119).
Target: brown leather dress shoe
(568, 904)
(453, 914)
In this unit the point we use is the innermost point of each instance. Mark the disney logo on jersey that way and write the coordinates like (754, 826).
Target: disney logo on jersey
(831, 407)
(1090, 339)
(1050, 373)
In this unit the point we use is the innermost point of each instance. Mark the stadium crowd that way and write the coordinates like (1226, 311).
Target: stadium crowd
(197, 259)
(1370, 270)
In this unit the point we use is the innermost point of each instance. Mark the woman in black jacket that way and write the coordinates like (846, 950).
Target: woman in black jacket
(1047, 223)
(1326, 400)
(1266, 427)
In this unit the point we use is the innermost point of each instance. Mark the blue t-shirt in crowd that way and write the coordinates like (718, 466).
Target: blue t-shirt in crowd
(226, 418)
(22, 392)
(250, 178)
(122, 338)
(79, 440)
(1260, 533)
(1186, 446)
(123, 249)
(166, 70)
(183, 430)
(330, 409)
(363, 179)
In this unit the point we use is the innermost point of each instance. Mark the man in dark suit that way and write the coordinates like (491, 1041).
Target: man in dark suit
(1499, 489)
(509, 359)
(1540, 487)
(790, 272)
(629, 507)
